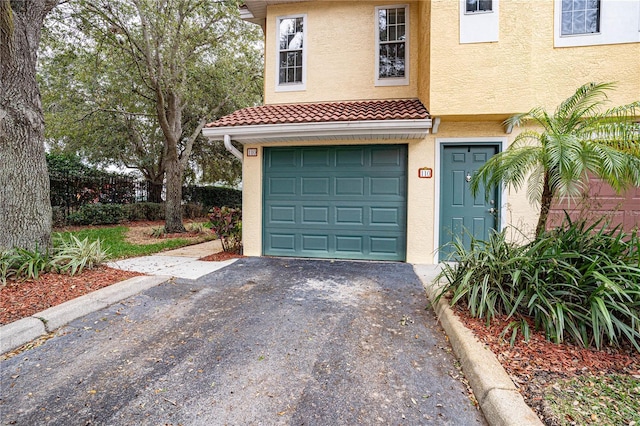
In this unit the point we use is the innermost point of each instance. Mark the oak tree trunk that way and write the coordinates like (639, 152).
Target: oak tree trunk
(25, 208)
(173, 206)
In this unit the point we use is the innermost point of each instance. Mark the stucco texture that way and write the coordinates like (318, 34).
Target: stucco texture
(523, 69)
(340, 47)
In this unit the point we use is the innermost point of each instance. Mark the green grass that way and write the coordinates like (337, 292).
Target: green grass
(113, 240)
(602, 400)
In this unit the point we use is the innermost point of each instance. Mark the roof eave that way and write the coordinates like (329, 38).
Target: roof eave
(370, 129)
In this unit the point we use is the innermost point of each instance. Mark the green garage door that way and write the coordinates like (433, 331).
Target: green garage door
(343, 202)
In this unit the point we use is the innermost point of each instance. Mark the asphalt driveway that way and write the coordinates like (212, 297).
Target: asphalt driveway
(261, 342)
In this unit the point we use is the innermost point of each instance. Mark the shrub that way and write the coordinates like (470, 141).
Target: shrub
(212, 196)
(74, 255)
(58, 216)
(192, 211)
(226, 224)
(144, 211)
(97, 214)
(576, 282)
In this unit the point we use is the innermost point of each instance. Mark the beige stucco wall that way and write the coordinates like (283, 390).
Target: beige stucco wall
(340, 52)
(422, 194)
(523, 69)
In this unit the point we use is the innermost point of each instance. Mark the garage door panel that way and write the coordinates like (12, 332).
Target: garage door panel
(385, 186)
(315, 186)
(315, 243)
(283, 242)
(282, 214)
(384, 245)
(317, 157)
(315, 215)
(349, 186)
(281, 186)
(353, 208)
(384, 157)
(350, 157)
(349, 215)
(283, 158)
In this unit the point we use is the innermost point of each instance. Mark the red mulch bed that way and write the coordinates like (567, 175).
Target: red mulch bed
(19, 299)
(219, 257)
(537, 364)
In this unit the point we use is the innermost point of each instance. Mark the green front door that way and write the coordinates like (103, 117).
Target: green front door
(461, 214)
(344, 202)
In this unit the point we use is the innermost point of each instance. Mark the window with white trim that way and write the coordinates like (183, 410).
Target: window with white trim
(478, 6)
(392, 45)
(580, 17)
(291, 72)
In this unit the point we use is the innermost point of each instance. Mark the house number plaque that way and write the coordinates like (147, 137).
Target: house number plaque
(252, 152)
(425, 172)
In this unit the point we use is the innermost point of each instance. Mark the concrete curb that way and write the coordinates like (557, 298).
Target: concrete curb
(500, 401)
(27, 329)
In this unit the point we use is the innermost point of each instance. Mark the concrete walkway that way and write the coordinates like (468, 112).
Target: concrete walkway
(179, 263)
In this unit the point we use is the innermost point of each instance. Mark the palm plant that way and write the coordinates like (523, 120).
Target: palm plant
(579, 138)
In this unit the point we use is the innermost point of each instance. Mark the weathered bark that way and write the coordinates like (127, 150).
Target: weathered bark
(545, 205)
(173, 206)
(25, 207)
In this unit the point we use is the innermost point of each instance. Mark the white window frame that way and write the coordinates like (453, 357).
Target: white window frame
(619, 23)
(477, 12)
(392, 81)
(480, 27)
(291, 87)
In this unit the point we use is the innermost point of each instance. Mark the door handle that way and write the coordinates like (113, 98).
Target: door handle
(492, 210)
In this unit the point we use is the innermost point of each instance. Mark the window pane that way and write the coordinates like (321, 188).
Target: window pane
(401, 35)
(580, 17)
(485, 5)
(392, 33)
(472, 5)
(400, 13)
(579, 23)
(567, 28)
(392, 60)
(592, 21)
(391, 13)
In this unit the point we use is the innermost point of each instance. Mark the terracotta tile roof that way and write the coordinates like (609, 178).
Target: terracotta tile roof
(406, 109)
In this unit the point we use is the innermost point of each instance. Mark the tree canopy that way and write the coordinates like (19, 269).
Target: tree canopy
(555, 156)
(132, 82)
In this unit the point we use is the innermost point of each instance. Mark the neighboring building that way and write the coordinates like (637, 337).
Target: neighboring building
(377, 113)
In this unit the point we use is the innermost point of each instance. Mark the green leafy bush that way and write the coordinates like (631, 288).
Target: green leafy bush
(97, 214)
(144, 211)
(212, 196)
(226, 224)
(192, 211)
(74, 255)
(577, 282)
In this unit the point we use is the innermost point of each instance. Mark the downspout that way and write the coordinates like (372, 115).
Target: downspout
(232, 149)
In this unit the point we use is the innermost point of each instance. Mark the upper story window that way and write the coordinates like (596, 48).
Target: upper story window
(291, 72)
(392, 45)
(580, 17)
(475, 6)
